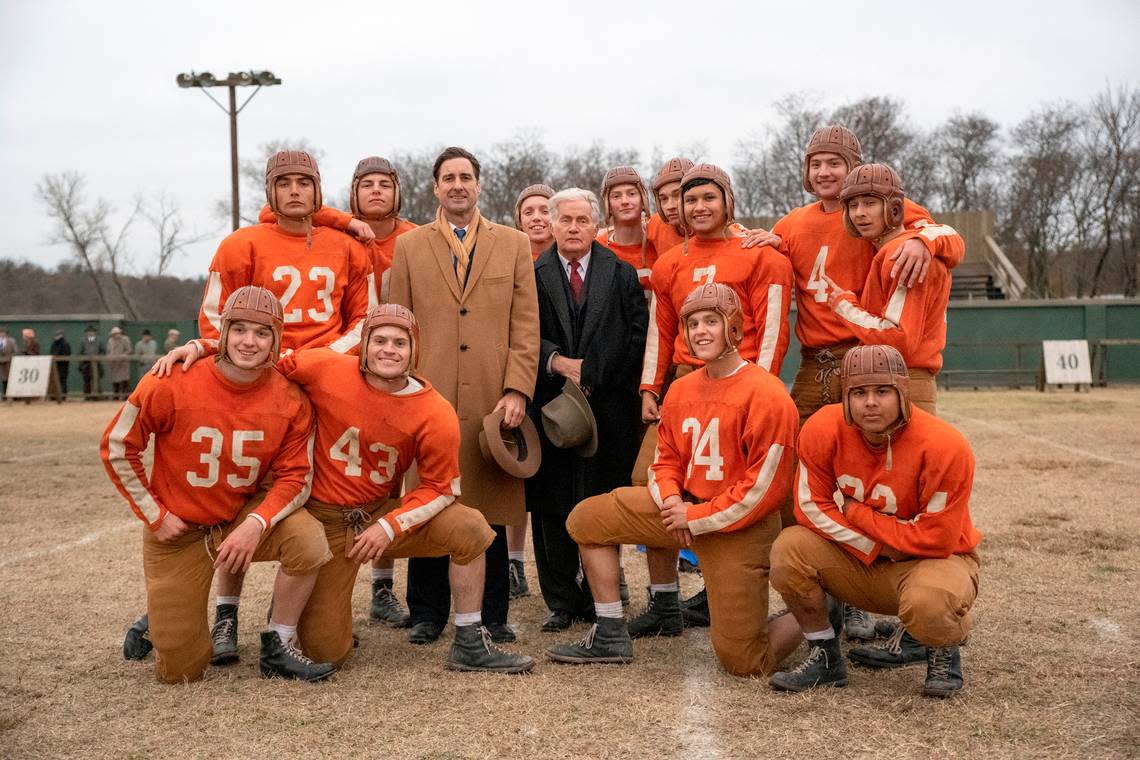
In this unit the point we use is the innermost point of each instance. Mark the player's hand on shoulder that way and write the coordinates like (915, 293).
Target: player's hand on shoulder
(361, 230)
(758, 237)
(911, 263)
(187, 354)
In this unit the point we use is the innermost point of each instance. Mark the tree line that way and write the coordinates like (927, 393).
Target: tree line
(1063, 183)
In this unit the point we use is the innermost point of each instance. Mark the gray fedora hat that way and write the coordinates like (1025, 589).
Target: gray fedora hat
(569, 423)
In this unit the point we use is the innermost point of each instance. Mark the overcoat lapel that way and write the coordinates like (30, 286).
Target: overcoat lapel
(550, 272)
(602, 270)
(443, 257)
(483, 248)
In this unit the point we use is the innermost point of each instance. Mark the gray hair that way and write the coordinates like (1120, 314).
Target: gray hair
(575, 194)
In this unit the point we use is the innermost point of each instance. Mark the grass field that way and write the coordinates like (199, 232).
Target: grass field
(1052, 667)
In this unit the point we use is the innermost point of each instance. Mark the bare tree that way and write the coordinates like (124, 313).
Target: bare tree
(165, 218)
(881, 125)
(1112, 146)
(509, 167)
(115, 253)
(966, 152)
(586, 168)
(416, 184)
(75, 226)
(1043, 168)
(769, 166)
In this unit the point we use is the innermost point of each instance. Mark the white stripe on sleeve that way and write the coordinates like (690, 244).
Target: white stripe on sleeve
(741, 509)
(117, 454)
(212, 303)
(652, 349)
(772, 326)
(838, 533)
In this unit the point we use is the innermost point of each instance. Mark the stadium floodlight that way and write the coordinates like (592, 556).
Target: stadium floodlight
(205, 79)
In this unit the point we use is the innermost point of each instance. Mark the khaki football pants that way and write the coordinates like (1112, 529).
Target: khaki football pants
(179, 574)
(325, 629)
(932, 597)
(734, 565)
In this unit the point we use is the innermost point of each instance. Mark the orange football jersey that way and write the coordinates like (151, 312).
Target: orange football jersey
(730, 442)
(913, 320)
(215, 441)
(916, 499)
(632, 255)
(662, 235)
(325, 290)
(761, 277)
(817, 244)
(366, 439)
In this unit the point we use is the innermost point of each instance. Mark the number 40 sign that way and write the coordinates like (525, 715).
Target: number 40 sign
(1066, 362)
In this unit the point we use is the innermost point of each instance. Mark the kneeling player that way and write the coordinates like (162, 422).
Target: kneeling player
(219, 431)
(374, 419)
(722, 466)
(901, 543)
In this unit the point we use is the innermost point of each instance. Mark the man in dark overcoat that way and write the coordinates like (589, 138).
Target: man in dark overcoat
(592, 322)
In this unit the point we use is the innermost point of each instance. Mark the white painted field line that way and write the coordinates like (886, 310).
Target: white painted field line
(950, 417)
(83, 540)
(46, 454)
(699, 741)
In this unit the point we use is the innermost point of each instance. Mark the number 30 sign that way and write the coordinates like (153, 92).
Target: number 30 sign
(28, 377)
(1066, 361)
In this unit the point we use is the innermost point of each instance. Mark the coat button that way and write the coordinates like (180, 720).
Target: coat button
(462, 346)
(463, 311)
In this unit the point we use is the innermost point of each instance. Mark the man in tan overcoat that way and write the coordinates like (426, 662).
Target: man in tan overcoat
(471, 285)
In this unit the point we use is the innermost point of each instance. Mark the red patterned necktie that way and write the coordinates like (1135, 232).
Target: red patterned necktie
(576, 280)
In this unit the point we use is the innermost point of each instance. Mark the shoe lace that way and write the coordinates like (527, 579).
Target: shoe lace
(815, 654)
(938, 662)
(587, 641)
(489, 644)
(893, 643)
(296, 654)
(223, 630)
(855, 617)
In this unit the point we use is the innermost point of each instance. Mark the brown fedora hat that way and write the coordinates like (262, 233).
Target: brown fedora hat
(517, 452)
(568, 421)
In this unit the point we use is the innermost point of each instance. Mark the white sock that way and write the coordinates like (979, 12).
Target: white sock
(657, 588)
(609, 610)
(383, 573)
(468, 618)
(516, 556)
(824, 635)
(287, 633)
(228, 600)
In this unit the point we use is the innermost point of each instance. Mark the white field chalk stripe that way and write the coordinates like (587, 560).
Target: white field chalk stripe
(699, 740)
(46, 454)
(83, 540)
(950, 417)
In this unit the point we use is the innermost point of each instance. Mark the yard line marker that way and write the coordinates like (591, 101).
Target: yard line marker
(699, 742)
(83, 540)
(1048, 442)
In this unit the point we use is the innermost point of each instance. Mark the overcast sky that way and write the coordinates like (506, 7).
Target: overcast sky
(90, 86)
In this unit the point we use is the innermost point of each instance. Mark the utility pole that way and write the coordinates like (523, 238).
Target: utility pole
(233, 81)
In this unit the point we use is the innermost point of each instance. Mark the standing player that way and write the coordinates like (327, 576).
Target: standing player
(724, 462)
(625, 208)
(910, 318)
(666, 228)
(902, 542)
(819, 248)
(220, 430)
(322, 277)
(532, 216)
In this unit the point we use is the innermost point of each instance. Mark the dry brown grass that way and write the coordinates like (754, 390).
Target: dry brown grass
(1052, 666)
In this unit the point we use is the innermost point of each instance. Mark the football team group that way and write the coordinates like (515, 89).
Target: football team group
(364, 390)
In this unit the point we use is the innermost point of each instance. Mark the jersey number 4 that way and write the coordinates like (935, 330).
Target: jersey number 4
(816, 283)
(705, 448)
(323, 293)
(347, 450)
(212, 458)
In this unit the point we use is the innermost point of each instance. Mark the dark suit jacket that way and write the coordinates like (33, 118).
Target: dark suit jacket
(608, 333)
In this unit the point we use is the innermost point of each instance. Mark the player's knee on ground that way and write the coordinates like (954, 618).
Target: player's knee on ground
(303, 545)
(934, 616)
(794, 574)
